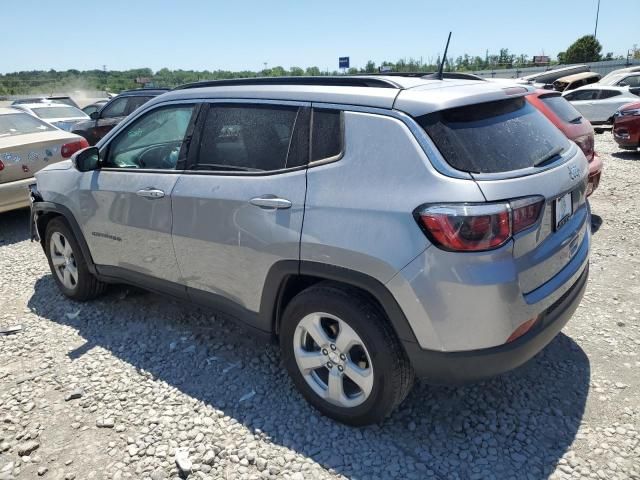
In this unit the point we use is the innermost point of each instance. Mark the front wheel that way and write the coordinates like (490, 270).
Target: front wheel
(67, 263)
(343, 355)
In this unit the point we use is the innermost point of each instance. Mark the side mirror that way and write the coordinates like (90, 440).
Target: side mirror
(94, 116)
(87, 159)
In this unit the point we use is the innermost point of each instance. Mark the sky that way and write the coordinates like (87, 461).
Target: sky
(244, 34)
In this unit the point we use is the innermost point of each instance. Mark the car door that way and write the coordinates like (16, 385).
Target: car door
(606, 105)
(126, 204)
(108, 117)
(238, 210)
(583, 101)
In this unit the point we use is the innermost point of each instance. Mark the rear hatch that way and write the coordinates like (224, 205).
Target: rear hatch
(28, 144)
(515, 154)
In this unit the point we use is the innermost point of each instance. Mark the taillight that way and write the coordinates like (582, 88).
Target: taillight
(69, 149)
(478, 227)
(585, 142)
(525, 212)
(1, 166)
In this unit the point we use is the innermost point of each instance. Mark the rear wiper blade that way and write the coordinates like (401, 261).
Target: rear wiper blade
(550, 156)
(576, 120)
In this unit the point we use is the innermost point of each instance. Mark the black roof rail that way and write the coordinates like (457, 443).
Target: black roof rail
(145, 89)
(431, 75)
(333, 81)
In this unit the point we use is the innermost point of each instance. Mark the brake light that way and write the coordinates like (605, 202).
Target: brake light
(585, 142)
(478, 227)
(1, 166)
(525, 212)
(467, 227)
(69, 149)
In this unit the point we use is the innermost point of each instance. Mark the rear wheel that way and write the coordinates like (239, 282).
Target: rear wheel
(67, 263)
(343, 355)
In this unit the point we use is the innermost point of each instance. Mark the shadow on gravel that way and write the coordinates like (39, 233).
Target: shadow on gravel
(14, 227)
(596, 222)
(627, 155)
(517, 425)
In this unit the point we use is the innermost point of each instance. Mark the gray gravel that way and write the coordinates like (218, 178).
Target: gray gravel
(136, 386)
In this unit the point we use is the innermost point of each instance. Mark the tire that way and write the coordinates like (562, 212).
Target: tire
(81, 287)
(389, 376)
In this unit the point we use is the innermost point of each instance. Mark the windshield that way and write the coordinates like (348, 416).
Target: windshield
(563, 109)
(20, 124)
(58, 112)
(494, 137)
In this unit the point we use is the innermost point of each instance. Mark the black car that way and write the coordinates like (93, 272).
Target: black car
(113, 112)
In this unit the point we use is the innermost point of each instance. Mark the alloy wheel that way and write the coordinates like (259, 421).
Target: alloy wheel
(333, 360)
(63, 260)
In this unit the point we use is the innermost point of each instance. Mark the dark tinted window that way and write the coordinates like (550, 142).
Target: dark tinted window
(608, 94)
(326, 135)
(247, 138)
(115, 108)
(135, 102)
(563, 109)
(582, 95)
(495, 136)
(633, 81)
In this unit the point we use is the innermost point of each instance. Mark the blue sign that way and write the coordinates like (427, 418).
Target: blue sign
(343, 62)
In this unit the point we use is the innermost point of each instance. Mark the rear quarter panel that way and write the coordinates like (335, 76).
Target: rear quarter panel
(359, 209)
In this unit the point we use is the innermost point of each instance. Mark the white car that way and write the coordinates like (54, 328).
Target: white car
(629, 79)
(597, 103)
(59, 115)
(617, 73)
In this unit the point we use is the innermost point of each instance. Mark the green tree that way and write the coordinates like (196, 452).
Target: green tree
(313, 71)
(585, 49)
(370, 67)
(296, 71)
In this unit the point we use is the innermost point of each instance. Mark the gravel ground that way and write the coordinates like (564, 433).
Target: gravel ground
(120, 387)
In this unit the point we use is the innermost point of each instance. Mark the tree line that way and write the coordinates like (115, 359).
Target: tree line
(585, 49)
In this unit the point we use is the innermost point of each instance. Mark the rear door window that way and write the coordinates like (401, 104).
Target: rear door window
(135, 102)
(494, 137)
(563, 109)
(252, 138)
(326, 134)
(582, 95)
(604, 94)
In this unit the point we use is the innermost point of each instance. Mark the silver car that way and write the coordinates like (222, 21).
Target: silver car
(379, 228)
(59, 115)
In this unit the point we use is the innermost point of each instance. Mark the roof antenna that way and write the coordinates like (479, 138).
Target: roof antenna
(444, 58)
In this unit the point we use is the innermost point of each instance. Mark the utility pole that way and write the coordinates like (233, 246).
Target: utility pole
(595, 32)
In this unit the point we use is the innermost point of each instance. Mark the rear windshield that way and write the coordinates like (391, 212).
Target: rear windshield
(21, 123)
(494, 137)
(58, 112)
(561, 108)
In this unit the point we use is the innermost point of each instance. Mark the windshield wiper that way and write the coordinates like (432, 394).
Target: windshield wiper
(576, 120)
(549, 156)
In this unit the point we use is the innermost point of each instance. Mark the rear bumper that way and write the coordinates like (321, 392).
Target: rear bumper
(455, 368)
(15, 194)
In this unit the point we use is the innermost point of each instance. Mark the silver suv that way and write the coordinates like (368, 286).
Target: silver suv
(379, 228)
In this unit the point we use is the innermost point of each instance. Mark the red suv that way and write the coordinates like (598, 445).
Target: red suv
(573, 125)
(626, 126)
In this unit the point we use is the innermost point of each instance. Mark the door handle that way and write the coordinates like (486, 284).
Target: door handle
(270, 201)
(152, 193)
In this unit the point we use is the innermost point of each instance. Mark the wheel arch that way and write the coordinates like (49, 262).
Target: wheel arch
(289, 277)
(46, 211)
